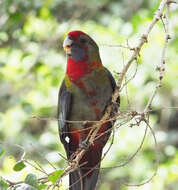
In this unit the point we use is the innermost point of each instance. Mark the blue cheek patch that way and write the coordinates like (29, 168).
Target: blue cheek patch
(77, 53)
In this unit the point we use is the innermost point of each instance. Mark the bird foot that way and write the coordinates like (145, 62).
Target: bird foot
(84, 145)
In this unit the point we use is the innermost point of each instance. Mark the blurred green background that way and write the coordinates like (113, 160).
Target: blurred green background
(32, 66)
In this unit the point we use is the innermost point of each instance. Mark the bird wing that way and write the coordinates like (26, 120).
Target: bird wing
(113, 84)
(64, 106)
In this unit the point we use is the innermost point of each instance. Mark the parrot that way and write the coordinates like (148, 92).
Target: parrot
(84, 95)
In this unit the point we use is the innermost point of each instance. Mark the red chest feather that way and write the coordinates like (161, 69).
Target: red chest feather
(76, 70)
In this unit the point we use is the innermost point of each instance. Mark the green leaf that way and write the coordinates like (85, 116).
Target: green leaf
(19, 166)
(53, 177)
(3, 185)
(1, 151)
(32, 180)
(42, 186)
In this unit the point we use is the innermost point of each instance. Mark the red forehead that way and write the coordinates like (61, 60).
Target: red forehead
(75, 34)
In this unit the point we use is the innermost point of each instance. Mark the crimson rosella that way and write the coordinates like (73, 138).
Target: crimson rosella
(85, 93)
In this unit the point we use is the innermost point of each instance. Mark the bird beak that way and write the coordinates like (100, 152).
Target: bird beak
(67, 44)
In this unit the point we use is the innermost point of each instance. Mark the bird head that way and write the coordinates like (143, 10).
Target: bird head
(81, 47)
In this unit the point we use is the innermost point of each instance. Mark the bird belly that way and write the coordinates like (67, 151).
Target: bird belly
(90, 98)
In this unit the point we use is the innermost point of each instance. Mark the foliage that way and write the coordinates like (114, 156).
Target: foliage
(19, 166)
(53, 177)
(32, 180)
(32, 66)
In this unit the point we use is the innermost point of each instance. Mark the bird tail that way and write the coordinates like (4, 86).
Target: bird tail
(74, 181)
(79, 182)
(85, 178)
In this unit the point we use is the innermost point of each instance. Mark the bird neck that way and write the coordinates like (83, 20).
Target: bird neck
(77, 69)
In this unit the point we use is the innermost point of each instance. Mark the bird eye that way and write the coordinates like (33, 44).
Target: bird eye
(82, 40)
(70, 37)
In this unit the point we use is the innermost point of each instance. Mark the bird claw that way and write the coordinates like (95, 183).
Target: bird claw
(84, 145)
